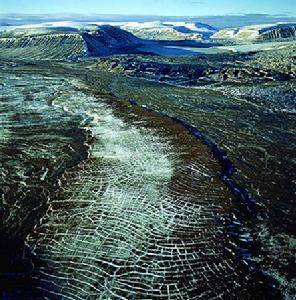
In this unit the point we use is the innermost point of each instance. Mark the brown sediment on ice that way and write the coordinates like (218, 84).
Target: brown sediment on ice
(39, 142)
(141, 218)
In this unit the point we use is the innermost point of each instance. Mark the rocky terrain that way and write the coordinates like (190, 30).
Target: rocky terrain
(248, 110)
(265, 66)
(258, 33)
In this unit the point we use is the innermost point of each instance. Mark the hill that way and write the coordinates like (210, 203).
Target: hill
(265, 32)
(65, 42)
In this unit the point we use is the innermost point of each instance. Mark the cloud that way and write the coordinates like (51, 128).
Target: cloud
(221, 21)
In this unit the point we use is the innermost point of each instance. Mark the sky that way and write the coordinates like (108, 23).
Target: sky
(151, 7)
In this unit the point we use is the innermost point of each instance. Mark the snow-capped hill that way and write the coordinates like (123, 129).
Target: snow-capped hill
(163, 33)
(279, 31)
(169, 30)
(194, 27)
(258, 32)
(155, 30)
(142, 25)
(52, 42)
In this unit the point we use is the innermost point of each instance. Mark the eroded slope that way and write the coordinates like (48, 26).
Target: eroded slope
(60, 43)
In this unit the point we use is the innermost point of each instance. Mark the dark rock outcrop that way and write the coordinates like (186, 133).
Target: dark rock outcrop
(187, 74)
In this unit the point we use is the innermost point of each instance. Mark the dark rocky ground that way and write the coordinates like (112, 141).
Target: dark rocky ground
(245, 103)
(263, 66)
(241, 103)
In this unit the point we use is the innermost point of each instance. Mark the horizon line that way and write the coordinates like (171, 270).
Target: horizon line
(148, 15)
